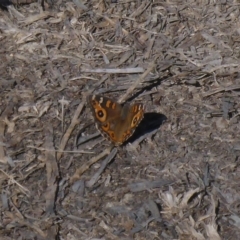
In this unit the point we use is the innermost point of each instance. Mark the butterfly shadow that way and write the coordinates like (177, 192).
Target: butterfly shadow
(150, 122)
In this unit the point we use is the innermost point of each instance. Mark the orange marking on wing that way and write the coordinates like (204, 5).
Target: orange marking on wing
(108, 103)
(106, 127)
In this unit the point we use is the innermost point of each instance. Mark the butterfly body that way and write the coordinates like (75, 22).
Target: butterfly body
(116, 122)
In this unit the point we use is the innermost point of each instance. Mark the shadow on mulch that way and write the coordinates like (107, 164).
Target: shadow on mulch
(150, 122)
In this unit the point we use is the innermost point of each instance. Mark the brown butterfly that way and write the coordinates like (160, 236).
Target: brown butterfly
(116, 122)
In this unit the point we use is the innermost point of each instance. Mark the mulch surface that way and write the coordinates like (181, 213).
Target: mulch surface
(177, 177)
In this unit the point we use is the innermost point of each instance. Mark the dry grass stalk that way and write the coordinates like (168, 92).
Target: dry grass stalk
(88, 164)
(3, 158)
(96, 176)
(135, 84)
(52, 172)
(107, 70)
(71, 127)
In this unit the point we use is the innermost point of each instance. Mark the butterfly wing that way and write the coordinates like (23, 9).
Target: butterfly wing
(115, 122)
(131, 116)
(106, 113)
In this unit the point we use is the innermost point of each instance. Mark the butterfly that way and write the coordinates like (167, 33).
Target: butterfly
(117, 123)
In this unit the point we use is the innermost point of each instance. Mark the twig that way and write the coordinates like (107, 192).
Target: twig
(112, 22)
(11, 178)
(3, 158)
(133, 146)
(95, 177)
(36, 17)
(32, 225)
(52, 172)
(60, 151)
(135, 84)
(63, 102)
(67, 134)
(223, 66)
(114, 70)
(221, 89)
(87, 165)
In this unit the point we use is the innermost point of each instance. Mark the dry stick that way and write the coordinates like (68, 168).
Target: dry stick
(18, 214)
(54, 150)
(180, 51)
(102, 80)
(80, 5)
(35, 18)
(52, 172)
(140, 10)
(221, 89)
(114, 70)
(142, 77)
(67, 134)
(3, 158)
(22, 188)
(134, 145)
(112, 22)
(13, 11)
(95, 177)
(32, 225)
(35, 169)
(87, 165)
(223, 66)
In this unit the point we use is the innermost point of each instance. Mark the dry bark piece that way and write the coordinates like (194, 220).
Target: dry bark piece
(52, 171)
(146, 185)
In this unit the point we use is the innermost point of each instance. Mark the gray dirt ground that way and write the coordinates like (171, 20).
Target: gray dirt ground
(177, 177)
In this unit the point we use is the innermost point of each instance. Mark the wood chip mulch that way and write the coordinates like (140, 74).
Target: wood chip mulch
(178, 176)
